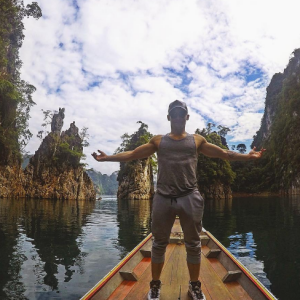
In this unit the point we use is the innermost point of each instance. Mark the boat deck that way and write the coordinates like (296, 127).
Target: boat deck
(221, 277)
(174, 277)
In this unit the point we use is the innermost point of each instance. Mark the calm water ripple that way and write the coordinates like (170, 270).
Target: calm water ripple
(59, 249)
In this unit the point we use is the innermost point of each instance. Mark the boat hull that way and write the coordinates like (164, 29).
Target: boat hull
(221, 274)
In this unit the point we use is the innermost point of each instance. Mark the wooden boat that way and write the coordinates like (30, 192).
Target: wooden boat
(223, 277)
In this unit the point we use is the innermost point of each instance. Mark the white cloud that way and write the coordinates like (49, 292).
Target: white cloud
(112, 63)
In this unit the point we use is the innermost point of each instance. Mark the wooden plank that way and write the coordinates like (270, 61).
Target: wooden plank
(142, 266)
(176, 276)
(218, 267)
(237, 291)
(213, 283)
(105, 287)
(141, 288)
(176, 227)
(248, 281)
(122, 291)
(204, 249)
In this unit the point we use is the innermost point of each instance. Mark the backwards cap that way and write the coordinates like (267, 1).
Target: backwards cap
(177, 103)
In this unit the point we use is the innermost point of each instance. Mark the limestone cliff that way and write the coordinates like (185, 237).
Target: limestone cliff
(11, 181)
(136, 177)
(217, 190)
(279, 131)
(55, 171)
(137, 180)
(15, 96)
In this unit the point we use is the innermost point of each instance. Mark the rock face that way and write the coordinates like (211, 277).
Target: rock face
(11, 182)
(136, 177)
(279, 131)
(217, 190)
(55, 172)
(136, 180)
(275, 98)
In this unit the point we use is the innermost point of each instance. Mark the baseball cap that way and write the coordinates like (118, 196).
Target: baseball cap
(177, 103)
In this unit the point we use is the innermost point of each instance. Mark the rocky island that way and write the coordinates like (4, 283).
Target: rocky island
(136, 177)
(55, 170)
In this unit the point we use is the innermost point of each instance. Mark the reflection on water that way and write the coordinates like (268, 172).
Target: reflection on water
(134, 221)
(264, 234)
(60, 249)
(244, 248)
(38, 246)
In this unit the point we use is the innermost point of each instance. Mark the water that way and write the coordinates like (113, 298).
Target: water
(59, 249)
(263, 233)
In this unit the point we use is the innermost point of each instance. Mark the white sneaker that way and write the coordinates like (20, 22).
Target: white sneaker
(195, 291)
(154, 293)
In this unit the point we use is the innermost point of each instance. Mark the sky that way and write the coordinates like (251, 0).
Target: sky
(113, 63)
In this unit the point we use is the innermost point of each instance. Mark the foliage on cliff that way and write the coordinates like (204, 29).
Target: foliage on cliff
(212, 171)
(279, 168)
(130, 142)
(15, 94)
(68, 145)
(136, 177)
(104, 184)
(248, 174)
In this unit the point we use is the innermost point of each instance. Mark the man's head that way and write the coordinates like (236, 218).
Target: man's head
(178, 109)
(178, 115)
(177, 104)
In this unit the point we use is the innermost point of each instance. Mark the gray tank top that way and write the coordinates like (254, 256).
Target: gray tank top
(177, 164)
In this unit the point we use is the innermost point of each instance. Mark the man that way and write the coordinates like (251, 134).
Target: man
(177, 192)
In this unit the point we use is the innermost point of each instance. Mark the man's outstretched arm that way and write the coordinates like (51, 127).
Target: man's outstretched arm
(142, 151)
(214, 151)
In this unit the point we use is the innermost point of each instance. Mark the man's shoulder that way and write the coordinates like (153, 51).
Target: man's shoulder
(156, 139)
(199, 139)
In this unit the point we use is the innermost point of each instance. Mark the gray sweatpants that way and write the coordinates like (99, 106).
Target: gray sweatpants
(189, 208)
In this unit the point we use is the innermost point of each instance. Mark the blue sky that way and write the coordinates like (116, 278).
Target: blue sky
(113, 63)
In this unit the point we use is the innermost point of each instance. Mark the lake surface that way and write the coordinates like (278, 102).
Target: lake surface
(59, 249)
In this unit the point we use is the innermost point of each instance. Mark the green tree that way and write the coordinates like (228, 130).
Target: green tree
(213, 170)
(242, 148)
(15, 94)
(48, 115)
(223, 130)
(130, 142)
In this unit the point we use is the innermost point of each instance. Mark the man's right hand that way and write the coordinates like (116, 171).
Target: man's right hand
(99, 157)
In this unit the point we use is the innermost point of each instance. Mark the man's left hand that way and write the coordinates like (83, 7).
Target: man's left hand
(256, 154)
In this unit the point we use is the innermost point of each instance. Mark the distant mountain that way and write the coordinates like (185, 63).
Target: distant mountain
(26, 159)
(104, 184)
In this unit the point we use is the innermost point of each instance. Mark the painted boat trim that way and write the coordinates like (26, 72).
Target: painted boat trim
(259, 285)
(107, 277)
